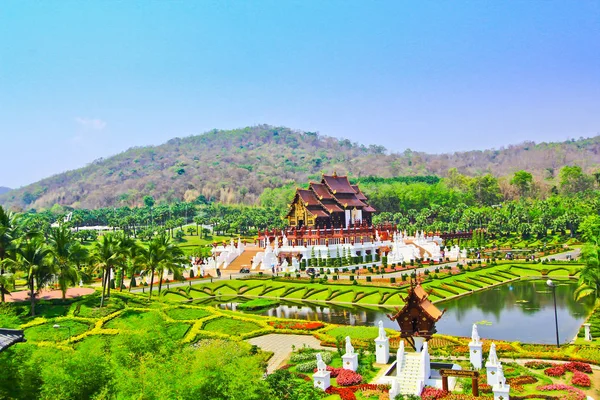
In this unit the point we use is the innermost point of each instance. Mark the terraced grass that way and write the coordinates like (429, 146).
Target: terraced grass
(187, 313)
(230, 326)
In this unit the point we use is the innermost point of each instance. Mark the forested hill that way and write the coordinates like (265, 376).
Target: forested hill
(236, 166)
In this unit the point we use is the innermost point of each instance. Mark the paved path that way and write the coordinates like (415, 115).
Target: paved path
(281, 346)
(49, 294)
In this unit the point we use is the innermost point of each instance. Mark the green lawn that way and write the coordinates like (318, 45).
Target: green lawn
(230, 326)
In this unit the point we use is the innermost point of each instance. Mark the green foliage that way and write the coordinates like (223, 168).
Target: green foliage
(230, 326)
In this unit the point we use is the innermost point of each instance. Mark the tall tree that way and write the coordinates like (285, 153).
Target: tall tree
(67, 254)
(106, 254)
(160, 255)
(523, 181)
(8, 233)
(34, 258)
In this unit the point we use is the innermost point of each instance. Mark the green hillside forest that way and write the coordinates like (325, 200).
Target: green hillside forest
(236, 166)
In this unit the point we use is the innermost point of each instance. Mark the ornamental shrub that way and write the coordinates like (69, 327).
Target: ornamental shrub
(347, 377)
(581, 379)
(556, 370)
(431, 393)
(538, 364)
(306, 365)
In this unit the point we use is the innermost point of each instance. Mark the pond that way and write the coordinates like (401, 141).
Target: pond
(519, 311)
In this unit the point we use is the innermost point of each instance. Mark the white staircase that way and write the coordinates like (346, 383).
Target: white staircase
(409, 371)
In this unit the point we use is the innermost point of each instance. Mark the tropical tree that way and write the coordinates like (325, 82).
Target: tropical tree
(34, 258)
(160, 255)
(8, 227)
(132, 252)
(589, 277)
(106, 254)
(67, 254)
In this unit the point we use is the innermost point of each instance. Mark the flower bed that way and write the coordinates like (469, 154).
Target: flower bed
(573, 366)
(576, 394)
(348, 377)
(538, 364)
(431, 393)
(581, 379)
(295, 325)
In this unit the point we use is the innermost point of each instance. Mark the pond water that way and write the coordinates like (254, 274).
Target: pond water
(521, 310)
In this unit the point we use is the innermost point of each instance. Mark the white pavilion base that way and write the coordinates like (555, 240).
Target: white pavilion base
(350, 361)
(475, 355)
(501, 392)
(382, 350)
(322, 380)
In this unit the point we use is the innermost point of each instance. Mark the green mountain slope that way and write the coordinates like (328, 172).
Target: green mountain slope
(235, 166)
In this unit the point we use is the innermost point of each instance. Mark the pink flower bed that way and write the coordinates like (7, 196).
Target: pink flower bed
(430, 393)
(574, 366)
(574, 393)
(581, 379)
(347, 377)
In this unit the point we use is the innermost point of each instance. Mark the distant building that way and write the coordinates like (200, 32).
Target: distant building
(332, 203)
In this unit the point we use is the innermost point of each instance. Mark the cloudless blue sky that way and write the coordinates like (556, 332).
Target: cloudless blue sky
(81, 80)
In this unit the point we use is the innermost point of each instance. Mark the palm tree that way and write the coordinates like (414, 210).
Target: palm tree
(160, 255)
(62, 246)
(8, 227)
(105, 255)
(131, 251)
(33, 257)
(589, 277)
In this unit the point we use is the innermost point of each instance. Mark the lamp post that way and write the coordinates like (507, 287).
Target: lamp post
(553, 286)
(56, 326)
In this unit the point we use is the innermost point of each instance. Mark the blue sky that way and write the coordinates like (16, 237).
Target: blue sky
(83, 80)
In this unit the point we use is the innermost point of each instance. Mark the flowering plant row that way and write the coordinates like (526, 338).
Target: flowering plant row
(431, 393)
(575, 394)
(574, 366)
(309, 326)
(581, 379)
(538, 364)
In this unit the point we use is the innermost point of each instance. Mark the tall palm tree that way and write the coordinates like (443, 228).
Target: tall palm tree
(105, 255)
(62, 246)
(131, 251)
(33, 257)
(8, 228)
(589, 277)
(160, 255)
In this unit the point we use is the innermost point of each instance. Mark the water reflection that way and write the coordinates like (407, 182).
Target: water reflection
(522, 310)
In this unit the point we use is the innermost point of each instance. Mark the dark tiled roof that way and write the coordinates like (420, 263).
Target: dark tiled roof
(321, 190)
(308, 197)
(349, 200)
(338, 184)
(359, 194)
(8, 337)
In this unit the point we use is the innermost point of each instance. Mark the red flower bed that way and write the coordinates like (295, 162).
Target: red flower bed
(579, 366)
(347, 377)
(574, 366)
(344, 393)
(305, 326)
(430, 393)
(556, 370)
(581, 379)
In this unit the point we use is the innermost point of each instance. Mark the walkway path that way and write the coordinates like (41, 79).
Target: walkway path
(281, 346)
(49, 294)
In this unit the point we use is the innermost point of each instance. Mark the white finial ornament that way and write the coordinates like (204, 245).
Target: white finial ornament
(349, 348)
(321, 366)
(475, 335)
(382, 334)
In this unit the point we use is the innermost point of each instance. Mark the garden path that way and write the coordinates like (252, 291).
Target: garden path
(281, 346)
(49, 294)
